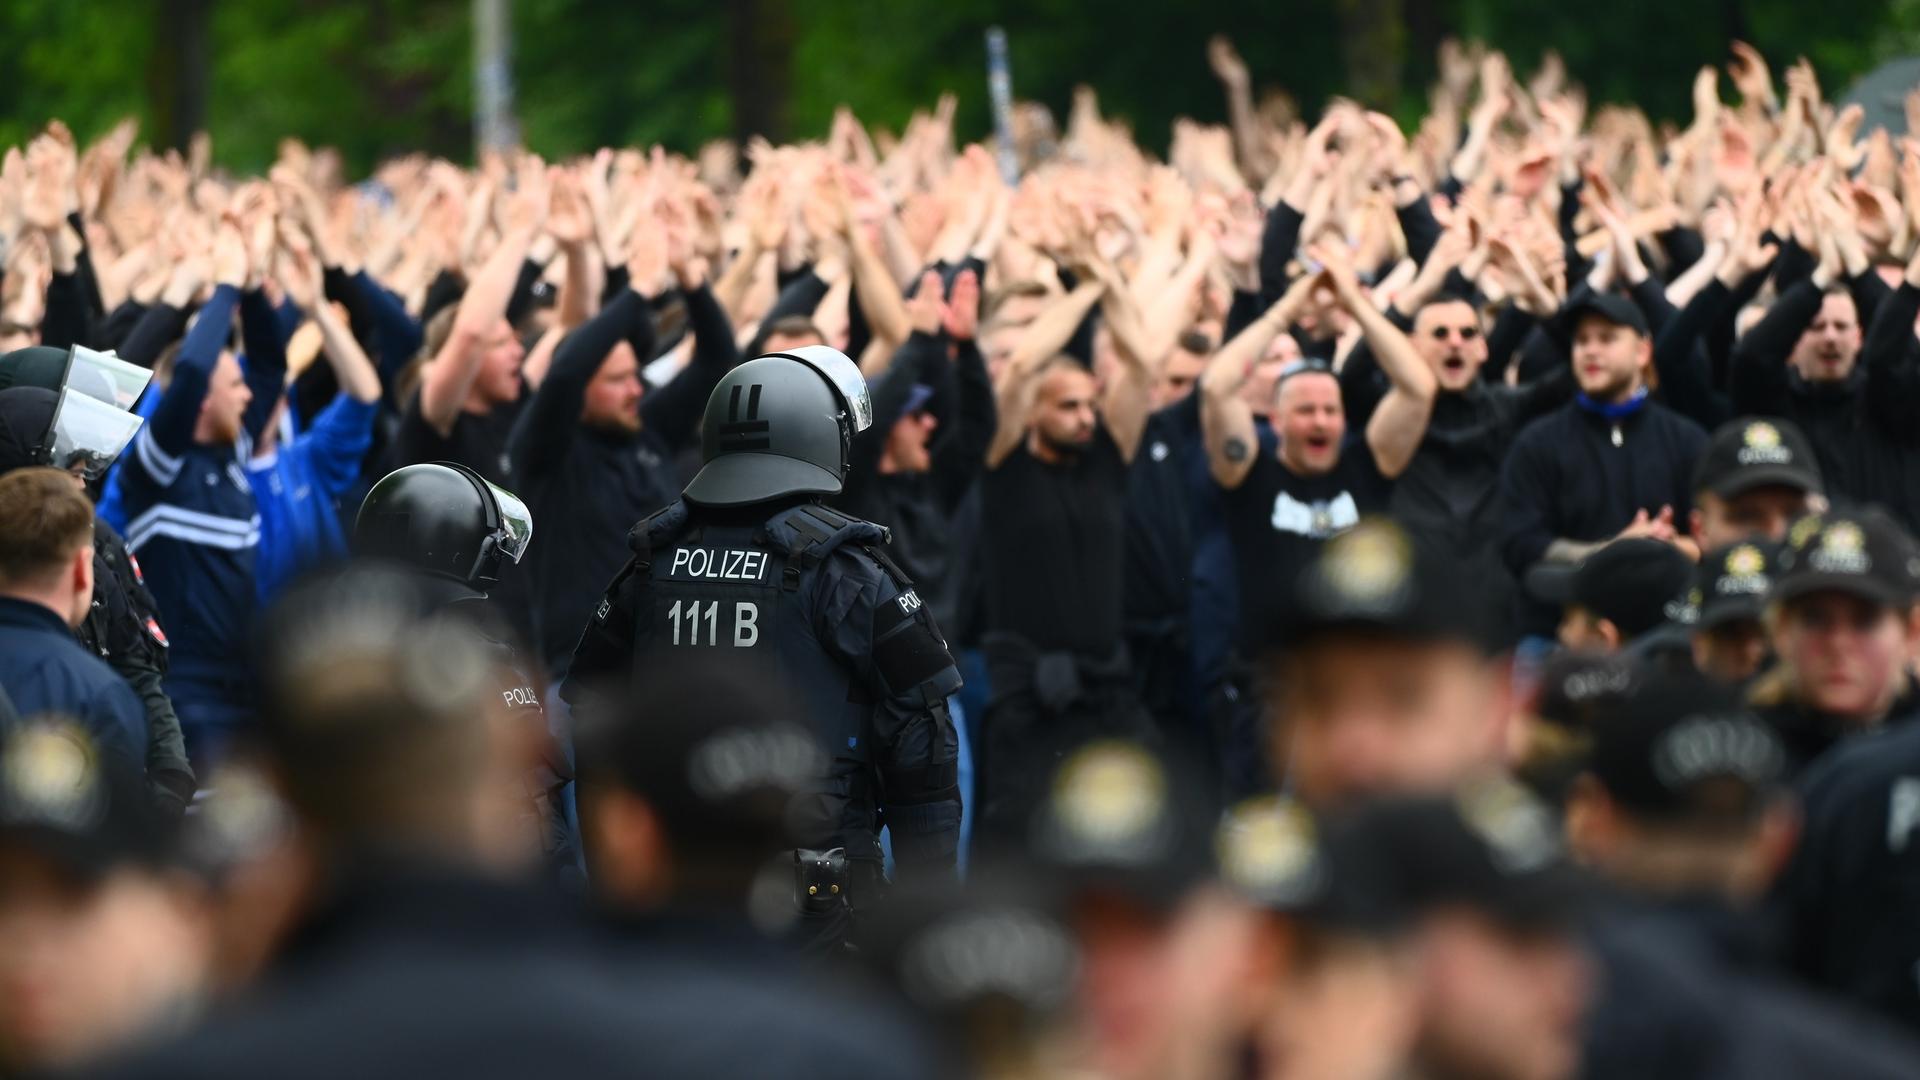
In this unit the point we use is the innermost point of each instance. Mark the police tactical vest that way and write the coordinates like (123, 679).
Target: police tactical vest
(750, 591)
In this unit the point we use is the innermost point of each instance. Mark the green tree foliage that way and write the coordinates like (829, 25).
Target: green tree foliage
(374, 77)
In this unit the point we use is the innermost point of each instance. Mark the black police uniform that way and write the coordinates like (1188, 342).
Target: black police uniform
(809, 593)
(456, 529)
(1854, 883)
(123, 629)
(750, 568)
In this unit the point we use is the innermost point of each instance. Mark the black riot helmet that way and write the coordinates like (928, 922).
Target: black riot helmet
(781, 425)
(445, 519)
(68, 408)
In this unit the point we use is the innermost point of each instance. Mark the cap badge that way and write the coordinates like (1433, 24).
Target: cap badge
(1841, 550)
(50, 775)
(1110, 793)
(1512, 823)
(1746, 561)
(1804, 530)
(1367, 566)
(1267, 846)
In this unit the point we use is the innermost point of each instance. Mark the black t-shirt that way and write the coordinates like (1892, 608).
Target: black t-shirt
(1052, 537)
(478, 441)
(1279, 520)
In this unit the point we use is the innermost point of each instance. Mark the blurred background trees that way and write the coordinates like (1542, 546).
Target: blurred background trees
(375, 77)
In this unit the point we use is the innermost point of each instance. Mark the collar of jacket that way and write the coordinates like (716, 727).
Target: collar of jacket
(1609, 411)
(28, 613)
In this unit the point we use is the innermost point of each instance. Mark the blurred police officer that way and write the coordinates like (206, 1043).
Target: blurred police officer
(687, 802)
(423, 947)
(1121, 836)
(1384, 681)
(1842, 614)
(73, 405)
(1340, 990)
(1754, 479)
(1616, 595)
(1684, 802)
(102, 944)
(749, 568)
(1729, 601)
(456, 531)
(1853, 885)
(1507, 986)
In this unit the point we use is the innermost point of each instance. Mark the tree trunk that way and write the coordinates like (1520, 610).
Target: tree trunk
(1373, 44)
(177, 72)
(760, 69)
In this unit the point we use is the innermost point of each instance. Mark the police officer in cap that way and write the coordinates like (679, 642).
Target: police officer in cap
(68, 409)
(749, 568)
(456, 530)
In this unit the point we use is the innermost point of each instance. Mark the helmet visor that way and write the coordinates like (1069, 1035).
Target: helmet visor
(516, 524)
(845, 376)
(88, 434)
(105, 377)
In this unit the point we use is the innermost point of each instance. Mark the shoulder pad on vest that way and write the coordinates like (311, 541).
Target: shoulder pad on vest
(817, 530)
(652, 531)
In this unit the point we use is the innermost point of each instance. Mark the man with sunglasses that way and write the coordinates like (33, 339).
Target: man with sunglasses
(1281, 508)
(1449, 494)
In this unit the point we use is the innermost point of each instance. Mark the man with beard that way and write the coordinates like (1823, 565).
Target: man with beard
(1053, 504)
(191, 514)
(1806, 362)
(1282, 507)
(594, 451)
(1609, 464)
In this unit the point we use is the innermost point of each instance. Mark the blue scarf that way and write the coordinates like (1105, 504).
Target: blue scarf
(1613, 412)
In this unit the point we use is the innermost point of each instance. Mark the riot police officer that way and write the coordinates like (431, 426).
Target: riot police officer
(68, 408)
(456, 530)
(749, 568)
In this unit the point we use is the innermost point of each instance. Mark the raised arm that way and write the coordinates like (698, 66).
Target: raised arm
(1400, 420)
(1042, 341)
(1127, 397)
(170, 429)
(449, 376)
(1226, 420)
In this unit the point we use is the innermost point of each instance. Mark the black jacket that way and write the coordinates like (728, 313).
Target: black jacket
(1862, 428)
(123, 628)
(1848, 897)
(1565, 479)
(587, 487)
(416, 973)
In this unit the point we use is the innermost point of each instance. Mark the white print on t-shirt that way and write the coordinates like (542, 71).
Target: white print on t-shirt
(1317, 520)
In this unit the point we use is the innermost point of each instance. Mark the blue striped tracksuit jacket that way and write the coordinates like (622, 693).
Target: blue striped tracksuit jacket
(190, 510)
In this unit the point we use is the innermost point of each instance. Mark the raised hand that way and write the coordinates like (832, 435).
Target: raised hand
(48, 195)
(525, 208)
(924, 309)
(569, 219)
(1748, 70)
(963, 307)
(231, 266)
(1226, 63)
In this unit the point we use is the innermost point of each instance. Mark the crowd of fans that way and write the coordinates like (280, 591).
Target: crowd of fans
(1434, 604)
